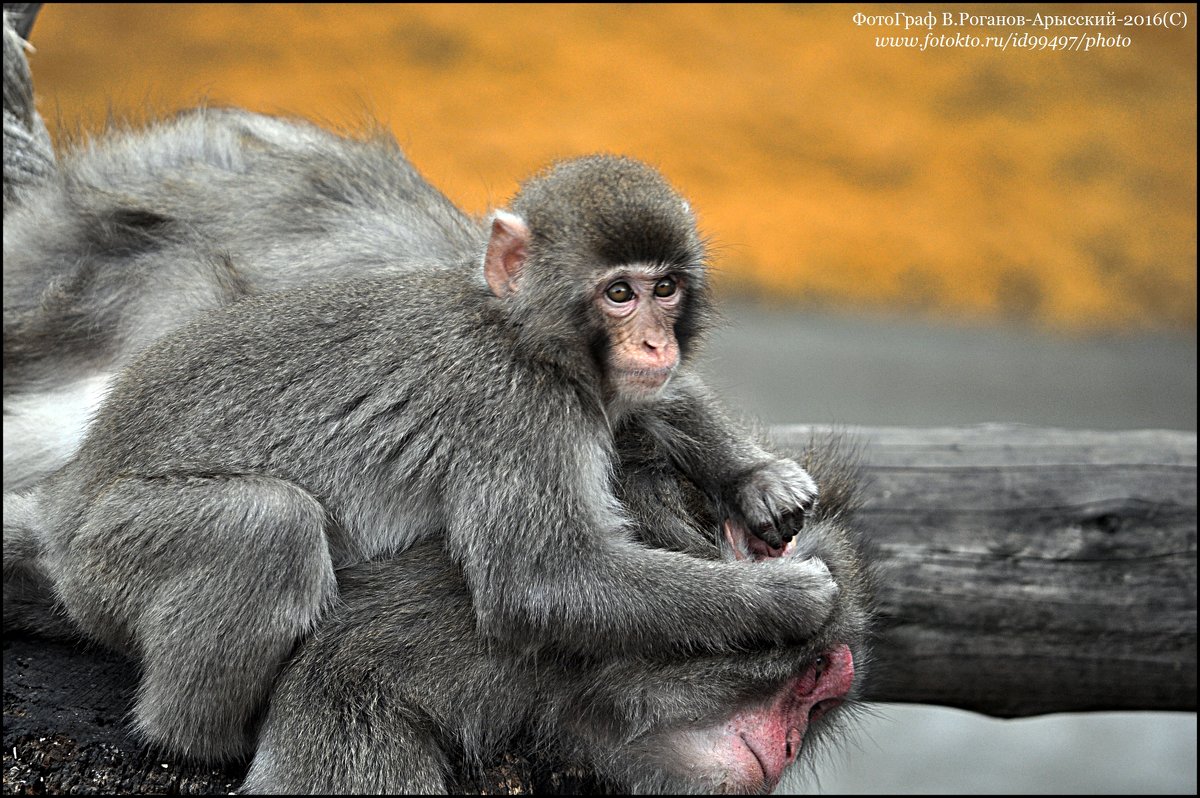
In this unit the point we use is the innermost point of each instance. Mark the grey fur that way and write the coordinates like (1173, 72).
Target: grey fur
(327, 381)
(28, 155)
(386, 694)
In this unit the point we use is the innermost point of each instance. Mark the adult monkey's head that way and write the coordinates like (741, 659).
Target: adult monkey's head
(599, 257)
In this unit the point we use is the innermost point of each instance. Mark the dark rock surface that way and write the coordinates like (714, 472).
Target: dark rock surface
(65, 730)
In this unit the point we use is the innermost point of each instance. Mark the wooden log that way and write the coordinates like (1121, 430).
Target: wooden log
(1024, 571)
(1030, 570)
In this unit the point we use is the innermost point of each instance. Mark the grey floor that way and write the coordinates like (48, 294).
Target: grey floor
(783, 367)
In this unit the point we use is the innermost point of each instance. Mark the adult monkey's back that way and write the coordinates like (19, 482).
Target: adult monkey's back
(239, 461)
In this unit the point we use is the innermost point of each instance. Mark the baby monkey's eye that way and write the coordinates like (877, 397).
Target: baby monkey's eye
(665, 287)
(620, 292)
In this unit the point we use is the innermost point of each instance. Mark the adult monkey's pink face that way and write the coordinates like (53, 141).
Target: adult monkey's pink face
(750, 751)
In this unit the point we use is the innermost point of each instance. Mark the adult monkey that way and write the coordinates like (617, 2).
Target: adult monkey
(112, 226)
(389, 697)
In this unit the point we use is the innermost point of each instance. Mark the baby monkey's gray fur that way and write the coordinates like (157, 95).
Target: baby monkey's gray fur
(309, 371)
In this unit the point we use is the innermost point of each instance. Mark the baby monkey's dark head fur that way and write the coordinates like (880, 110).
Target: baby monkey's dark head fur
(598, 259)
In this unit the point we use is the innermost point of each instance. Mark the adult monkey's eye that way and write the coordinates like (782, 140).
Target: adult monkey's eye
(665, 287)
(619, 292)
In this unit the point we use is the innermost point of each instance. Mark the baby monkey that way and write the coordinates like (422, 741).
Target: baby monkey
(473, 399)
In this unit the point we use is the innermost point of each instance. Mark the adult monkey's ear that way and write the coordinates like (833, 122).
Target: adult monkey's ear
(507, 249)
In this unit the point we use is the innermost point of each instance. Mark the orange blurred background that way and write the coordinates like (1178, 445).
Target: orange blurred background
(1050, 188)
